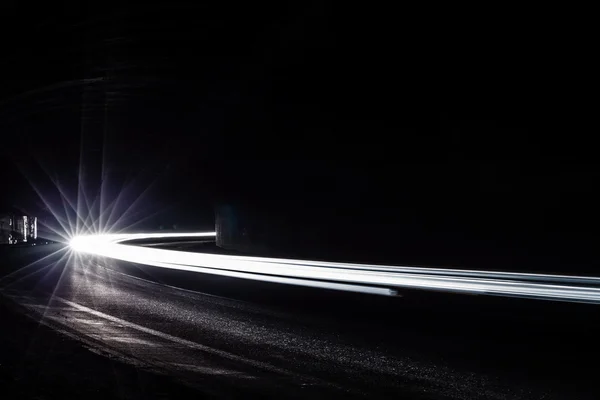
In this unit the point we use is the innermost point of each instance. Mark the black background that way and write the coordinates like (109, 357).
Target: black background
(423, 135)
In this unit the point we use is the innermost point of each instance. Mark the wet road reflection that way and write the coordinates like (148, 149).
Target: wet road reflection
(256, 343)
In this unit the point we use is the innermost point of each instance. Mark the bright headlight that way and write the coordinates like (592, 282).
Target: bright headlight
(78, 243)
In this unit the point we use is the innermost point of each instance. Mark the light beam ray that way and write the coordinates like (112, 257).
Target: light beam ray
(380, 279)
(31, 265)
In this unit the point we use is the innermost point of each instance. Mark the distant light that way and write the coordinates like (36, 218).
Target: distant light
(79, 243)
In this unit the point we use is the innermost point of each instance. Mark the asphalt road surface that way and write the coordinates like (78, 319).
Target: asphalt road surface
(229, 337)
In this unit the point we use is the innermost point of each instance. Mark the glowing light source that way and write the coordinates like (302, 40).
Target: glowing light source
(79, 243)
(378, 279)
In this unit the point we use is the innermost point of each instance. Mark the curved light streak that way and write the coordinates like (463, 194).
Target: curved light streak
(376, 279)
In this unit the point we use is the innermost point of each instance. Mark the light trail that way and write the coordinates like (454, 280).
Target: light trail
(375, 279)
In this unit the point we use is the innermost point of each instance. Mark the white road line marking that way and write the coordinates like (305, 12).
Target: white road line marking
(211, 371)
(178, 289)
(184, 342)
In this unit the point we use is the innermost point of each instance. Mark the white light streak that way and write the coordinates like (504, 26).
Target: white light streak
(376, 279)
